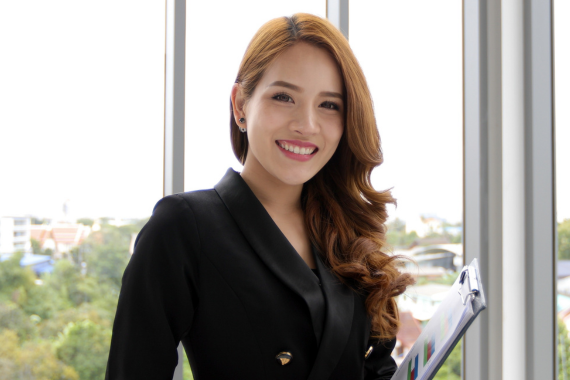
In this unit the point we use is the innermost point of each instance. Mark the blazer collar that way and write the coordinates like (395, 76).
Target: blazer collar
(276, 252)
(271, 245)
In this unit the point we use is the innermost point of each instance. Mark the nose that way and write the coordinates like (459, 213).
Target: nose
(306, 121)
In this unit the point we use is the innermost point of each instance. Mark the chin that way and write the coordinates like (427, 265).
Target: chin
(294, 177)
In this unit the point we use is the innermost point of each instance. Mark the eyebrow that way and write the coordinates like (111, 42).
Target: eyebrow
(293, 87)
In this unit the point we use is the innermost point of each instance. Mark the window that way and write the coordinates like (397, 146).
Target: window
(411, 54)
(83, 104)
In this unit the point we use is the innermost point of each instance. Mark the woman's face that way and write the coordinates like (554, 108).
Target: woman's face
(295, 117)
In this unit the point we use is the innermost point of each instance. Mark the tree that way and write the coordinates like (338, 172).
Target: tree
(396, 235)
(49, 328)
(31, 361)
(85, 347)
(107, 253)
(36, 247)
(564, 240)
(13, 318)
(85, 221)
(15, 280)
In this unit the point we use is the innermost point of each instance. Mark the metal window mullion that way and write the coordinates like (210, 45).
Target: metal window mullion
(528, 207)
(540, 213)
(174, 96)
(337, 14)
(482, 347)
(174, 103)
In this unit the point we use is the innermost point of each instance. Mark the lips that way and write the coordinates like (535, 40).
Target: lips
(297, 150)
(302, 148)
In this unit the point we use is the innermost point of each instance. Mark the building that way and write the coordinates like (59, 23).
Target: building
(15, 235)
(60, 238)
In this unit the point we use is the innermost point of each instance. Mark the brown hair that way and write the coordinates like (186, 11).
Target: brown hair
(344, 215)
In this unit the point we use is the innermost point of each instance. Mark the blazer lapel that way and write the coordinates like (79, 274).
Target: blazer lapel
(338, 322)
(271, 245)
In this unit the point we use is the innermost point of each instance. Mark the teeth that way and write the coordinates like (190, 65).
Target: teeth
(296, 149)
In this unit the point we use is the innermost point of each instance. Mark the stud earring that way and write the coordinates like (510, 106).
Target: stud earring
(242, 120)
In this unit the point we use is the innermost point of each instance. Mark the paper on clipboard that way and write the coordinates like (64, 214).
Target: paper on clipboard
(458, 310)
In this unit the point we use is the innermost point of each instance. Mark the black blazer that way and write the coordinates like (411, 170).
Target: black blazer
(212, 269)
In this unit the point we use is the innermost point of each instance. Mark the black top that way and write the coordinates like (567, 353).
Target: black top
(211, 269)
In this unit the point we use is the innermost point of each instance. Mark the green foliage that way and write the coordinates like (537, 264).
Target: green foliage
(85, 221)
(30, 361)
(563, 351)
(107, 253)
(14, 280)
(67, 282)
(451, 369)
(61, 328)
(13, 318)
(36, 248)
(44, 301)
(396, 235)
(85, 347)
(564, 240)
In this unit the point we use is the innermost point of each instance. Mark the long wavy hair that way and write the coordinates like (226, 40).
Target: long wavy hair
(344, 214)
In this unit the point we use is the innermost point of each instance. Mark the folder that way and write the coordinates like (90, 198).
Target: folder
(453, 317)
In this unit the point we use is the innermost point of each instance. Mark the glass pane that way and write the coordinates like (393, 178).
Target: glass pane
(562, 133)
(81, 153)
(212, 62)
(411, 54)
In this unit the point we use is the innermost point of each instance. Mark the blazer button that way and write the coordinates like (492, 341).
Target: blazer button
(284, 357)
(370, 349)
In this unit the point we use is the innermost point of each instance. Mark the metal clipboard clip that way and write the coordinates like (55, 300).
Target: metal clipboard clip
(470, 274)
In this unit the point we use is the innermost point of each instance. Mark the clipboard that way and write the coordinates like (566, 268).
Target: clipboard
(451, 320)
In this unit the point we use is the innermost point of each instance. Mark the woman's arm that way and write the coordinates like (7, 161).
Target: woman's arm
(380, 365)
(158, 295)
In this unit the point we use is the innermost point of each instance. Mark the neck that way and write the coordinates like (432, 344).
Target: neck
(273, 194)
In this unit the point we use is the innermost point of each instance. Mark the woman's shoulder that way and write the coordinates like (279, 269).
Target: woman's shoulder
(190, 204)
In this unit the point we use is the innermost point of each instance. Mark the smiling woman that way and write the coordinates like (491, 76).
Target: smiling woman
(278, 272)
(296, 105)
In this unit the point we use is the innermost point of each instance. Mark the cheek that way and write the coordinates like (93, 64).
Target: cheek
(335, 133)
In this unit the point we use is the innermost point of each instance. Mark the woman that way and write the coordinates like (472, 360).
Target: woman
(276, 273)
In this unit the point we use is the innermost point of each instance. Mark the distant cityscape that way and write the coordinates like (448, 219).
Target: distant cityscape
(434, 245)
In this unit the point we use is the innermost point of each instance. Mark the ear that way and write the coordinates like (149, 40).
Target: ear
(238, 102)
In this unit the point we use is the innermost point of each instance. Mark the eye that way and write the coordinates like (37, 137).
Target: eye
(282, 97)
(330, 105)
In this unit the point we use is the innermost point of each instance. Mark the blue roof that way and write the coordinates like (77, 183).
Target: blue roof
(38, 263)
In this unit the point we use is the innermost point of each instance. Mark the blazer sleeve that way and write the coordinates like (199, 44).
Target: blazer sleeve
(158, 295)
(380, 365)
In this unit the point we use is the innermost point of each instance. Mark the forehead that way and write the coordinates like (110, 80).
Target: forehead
(307, 66)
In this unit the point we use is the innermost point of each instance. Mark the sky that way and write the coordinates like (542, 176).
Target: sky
(82, 100)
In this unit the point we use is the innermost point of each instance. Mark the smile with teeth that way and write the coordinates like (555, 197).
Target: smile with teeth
(296, 149)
